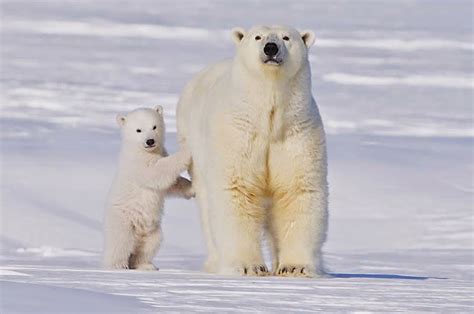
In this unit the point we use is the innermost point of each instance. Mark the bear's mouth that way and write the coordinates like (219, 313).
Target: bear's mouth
(272, 61)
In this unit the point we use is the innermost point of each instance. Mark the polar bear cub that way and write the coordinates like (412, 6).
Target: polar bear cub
(146, 174)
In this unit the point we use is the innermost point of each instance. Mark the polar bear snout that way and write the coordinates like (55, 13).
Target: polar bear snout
(150, 142)
(270, 49)
(273, 52)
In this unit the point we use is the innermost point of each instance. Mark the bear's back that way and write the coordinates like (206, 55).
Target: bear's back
(195, 97)
(210, 76)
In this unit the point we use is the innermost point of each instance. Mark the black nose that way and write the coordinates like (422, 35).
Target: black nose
(270, 49)
(150, 142)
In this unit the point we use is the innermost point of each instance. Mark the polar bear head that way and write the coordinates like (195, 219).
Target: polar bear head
(275, 49)
(143, 128)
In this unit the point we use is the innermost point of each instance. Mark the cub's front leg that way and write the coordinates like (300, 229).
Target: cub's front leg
(164, 173)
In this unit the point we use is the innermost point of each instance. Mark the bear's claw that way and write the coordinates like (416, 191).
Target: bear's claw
(117, 266)
(294, 271)
(255, 270)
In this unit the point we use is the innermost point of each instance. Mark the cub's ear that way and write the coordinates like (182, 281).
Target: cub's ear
(120, 120)
(238, 34)
(308, 38)
(158, 109)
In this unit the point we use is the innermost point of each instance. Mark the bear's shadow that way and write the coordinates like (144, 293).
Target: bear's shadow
(380, 276)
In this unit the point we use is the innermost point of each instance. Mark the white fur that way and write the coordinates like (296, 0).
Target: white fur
(259, 156)
(135, 204)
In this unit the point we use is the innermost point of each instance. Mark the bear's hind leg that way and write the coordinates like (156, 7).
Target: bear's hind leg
(142, 258)
(119, 244)
(210, 265)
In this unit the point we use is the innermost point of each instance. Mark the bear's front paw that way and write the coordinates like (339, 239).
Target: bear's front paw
(249, 270)
(146, 267)
(116, 265)
(256, 270)
(288, 270)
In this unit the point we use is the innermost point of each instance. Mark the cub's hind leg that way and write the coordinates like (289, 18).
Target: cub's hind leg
(145, 251)
(119, 243)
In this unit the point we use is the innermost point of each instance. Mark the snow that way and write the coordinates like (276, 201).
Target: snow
(101, 29)
(36, 298)
(397, 44)
(413, 80)
(394, 83)
(370, 282)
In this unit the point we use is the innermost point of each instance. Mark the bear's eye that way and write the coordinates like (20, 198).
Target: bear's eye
(138, 130)
(258, 37)
(286, 38)
(154, 127)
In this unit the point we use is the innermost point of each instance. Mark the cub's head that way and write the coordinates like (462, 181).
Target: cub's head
(273, 48)
(143, 128)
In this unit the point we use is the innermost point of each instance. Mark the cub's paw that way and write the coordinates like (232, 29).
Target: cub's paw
(184, 188)
(189, 193)
(146, 267)
(288, 270)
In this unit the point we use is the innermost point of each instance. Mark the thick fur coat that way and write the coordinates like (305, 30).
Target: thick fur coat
(259, 155)
(146, 174)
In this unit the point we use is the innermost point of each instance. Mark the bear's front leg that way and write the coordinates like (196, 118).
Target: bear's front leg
(298, 219)
(164, 173)
(182, 188)
(237, 224)
(298, 227)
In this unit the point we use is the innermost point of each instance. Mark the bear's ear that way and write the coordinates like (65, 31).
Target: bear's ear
(120, 120)
(308, 38)
(158, 109)
(238, 34)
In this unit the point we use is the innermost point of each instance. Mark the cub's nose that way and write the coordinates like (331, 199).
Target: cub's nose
(150, 142)
(270, 49)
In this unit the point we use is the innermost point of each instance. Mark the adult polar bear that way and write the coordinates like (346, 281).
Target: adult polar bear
(259, 155)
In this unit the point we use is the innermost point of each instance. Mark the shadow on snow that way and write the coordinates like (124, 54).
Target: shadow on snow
(381, 276)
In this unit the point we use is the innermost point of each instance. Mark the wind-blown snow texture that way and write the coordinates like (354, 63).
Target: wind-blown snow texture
(394, 83)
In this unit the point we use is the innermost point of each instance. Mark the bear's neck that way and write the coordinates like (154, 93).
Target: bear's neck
(132, 154)
(273, 104)
(272, 88)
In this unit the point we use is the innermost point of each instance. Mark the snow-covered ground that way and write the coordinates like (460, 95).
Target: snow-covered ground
(394, 83)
